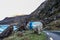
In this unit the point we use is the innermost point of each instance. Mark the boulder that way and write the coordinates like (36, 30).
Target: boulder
(6, 32)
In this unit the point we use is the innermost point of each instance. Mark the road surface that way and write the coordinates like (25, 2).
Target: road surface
(55, 35)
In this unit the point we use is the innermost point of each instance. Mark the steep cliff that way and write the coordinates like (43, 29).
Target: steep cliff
(48, 12)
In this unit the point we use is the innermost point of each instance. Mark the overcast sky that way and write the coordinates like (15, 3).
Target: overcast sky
(10, 8)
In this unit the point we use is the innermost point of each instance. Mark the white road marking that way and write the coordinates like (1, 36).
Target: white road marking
(51, 38)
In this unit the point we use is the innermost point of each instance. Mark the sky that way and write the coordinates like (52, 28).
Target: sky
(10, 8)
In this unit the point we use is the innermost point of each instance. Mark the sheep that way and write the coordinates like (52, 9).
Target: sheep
(36, 26)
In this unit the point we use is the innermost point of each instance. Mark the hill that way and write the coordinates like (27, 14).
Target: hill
(48, 12)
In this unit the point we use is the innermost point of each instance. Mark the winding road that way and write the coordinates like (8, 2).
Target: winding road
(55, 35)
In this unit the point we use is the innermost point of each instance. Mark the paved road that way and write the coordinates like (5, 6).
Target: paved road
(55, 35)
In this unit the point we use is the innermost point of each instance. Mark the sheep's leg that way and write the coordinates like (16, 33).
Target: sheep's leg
(39, 31)
(35, 30)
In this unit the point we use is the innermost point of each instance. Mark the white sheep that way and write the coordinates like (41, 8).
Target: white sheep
(36, 26)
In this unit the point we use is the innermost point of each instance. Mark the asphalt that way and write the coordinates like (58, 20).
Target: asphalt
(55, 35)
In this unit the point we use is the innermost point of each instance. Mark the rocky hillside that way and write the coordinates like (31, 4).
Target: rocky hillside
(48, 12)
(47, 9)
(17, 20)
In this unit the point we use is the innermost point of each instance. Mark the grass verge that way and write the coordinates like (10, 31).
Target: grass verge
(27, 36)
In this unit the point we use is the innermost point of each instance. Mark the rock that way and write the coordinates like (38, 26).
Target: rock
(20, 34)
(6, 32)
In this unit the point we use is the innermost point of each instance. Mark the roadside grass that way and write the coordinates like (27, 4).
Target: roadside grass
(27, 36)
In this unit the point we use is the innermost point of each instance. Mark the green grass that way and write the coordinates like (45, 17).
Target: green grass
(27, 36)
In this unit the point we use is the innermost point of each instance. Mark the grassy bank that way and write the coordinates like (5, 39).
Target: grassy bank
(27, 36)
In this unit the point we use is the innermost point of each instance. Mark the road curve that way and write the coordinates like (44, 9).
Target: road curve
(52, 35)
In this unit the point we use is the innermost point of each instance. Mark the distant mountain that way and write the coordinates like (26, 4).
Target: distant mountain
(16, 19)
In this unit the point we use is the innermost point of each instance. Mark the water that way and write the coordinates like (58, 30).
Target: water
(4, 27)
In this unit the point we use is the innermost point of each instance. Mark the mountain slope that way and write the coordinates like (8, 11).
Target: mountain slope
(48, 12)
